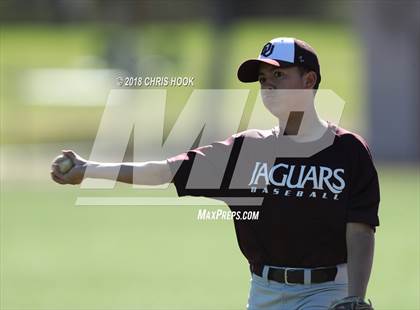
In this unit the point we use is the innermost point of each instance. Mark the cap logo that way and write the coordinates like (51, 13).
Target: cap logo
(267, 49)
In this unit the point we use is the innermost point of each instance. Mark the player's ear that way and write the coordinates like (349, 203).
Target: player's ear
(310, 79)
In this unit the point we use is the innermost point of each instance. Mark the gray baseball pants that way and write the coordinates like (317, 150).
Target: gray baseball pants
(271, 295)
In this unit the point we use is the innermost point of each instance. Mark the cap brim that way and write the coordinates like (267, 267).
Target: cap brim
(248, 71)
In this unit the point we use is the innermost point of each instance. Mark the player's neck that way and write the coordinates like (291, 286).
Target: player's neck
(302, 127)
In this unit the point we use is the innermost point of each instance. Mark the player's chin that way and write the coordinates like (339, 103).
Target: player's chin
(275, 109)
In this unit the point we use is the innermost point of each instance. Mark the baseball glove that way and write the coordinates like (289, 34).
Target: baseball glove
(351, 303)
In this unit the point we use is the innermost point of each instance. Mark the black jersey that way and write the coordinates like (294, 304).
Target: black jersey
(304, 201)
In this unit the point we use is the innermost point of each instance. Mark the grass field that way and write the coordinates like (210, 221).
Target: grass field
(56, 256)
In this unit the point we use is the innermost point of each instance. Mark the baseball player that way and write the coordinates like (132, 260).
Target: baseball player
(313, 242)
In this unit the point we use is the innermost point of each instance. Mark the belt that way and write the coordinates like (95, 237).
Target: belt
(296, 275)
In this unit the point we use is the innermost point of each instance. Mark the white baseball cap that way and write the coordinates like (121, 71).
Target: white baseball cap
(281, 52)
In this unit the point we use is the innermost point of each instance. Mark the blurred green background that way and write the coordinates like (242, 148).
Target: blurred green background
(55, 255)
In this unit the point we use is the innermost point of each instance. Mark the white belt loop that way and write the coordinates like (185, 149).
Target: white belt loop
(265, 272)
(307, 276)
(341, 277)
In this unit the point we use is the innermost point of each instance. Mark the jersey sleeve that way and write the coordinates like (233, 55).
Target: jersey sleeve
(364, 187)
(201, 171)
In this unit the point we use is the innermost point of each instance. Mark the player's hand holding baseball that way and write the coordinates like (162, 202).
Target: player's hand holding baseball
(68, 168)
(351, 303)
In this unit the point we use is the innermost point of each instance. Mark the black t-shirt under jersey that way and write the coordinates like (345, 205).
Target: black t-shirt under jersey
(306, 201)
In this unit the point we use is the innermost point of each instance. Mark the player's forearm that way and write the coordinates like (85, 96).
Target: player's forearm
(360, 248)
(142, 173)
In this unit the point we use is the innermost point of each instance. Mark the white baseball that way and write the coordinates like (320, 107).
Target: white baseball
(64, 163)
